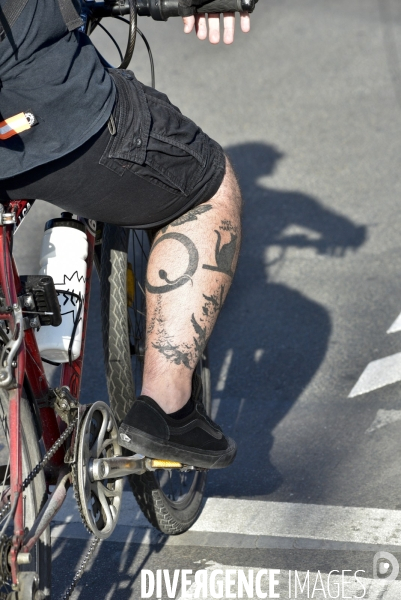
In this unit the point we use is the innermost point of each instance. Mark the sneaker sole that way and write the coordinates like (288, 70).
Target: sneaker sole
(153, 447)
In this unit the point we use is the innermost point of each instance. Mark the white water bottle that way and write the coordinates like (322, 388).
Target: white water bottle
(63, 257)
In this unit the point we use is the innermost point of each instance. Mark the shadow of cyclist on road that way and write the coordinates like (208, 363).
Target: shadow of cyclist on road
(273, 337)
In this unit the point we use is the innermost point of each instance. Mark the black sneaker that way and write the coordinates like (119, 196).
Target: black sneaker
(193, 440)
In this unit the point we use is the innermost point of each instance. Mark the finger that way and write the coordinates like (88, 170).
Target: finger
(229, 26)
(189, 23)
(201, 27)
(245, 22)
(214, 28)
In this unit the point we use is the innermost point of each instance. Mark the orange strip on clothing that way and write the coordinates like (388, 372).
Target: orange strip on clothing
(13, 125)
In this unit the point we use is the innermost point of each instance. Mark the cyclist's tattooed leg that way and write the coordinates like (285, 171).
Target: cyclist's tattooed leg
(184, 353)
(190, 270)
(191, 215)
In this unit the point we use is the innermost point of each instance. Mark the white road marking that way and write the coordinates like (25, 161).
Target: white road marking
(383, 418)
(226, 522)
(258, 354)
(396, 326)
(378, 374)
(239, 413)
(215, 408)
(287, 519)
(315, 585)
(221, 383)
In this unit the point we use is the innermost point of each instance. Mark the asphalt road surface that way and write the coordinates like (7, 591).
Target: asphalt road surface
(306, 359)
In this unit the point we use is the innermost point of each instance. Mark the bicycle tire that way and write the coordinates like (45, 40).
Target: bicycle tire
(171, 505)
(35, 494)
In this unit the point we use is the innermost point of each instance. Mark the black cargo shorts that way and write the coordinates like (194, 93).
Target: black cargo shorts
(148, 165)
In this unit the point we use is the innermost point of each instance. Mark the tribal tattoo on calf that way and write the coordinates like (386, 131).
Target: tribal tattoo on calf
(184, 353)
(191, 215)
(193, 259)
(224, 254)
(187, 354)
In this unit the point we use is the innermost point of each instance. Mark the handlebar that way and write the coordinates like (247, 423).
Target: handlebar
(161, 10)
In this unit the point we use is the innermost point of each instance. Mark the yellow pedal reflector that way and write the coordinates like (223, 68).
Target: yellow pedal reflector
(165, 464)
(130, 285)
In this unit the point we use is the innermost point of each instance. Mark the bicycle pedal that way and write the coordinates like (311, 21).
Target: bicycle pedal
(156, 463)
(159, 463)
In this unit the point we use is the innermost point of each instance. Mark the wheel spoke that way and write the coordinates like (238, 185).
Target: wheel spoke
(34, 494)
(6, 473)
(171, 493)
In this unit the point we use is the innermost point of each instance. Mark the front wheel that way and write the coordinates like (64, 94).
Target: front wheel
(170, 500)
(35, 577)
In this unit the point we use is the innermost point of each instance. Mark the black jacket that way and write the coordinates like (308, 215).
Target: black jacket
(58, 76)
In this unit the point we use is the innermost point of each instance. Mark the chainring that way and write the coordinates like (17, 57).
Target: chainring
(99, 502)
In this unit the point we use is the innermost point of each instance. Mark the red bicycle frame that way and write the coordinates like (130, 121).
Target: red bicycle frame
(27, 365)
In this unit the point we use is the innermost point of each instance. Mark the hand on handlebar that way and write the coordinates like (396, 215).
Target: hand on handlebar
(201, 27)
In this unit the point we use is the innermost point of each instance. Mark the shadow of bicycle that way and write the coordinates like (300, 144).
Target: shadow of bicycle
(113, 571)
(270, 339)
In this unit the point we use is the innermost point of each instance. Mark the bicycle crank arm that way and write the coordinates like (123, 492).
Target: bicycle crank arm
(120, 466)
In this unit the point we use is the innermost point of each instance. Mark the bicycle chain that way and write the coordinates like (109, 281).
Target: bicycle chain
(28, 480)
(36, 470)
(77, 498)
(81, 569)
(49, 454)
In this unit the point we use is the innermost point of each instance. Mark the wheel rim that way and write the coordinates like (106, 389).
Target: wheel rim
(137, 258)
(31, 507)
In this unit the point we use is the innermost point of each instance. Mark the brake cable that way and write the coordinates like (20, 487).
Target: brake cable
(145, 41)
(131, 36)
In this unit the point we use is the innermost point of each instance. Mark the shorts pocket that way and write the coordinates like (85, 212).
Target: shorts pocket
(177, 149)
